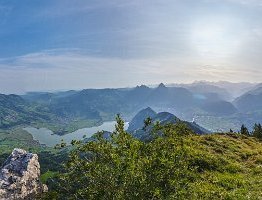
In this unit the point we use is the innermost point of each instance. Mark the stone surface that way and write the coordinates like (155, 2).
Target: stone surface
(20, 176)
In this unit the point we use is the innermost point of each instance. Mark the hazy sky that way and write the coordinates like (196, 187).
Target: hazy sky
(74, 44)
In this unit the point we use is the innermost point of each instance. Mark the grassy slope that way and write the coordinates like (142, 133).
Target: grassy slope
(49, 158)
(230, 166)
(16, 138)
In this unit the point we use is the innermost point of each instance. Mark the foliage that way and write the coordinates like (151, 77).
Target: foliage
(175, 164)
(244, 130)
(126, 168)
(257, 132)
(48, 175)
(147, 122)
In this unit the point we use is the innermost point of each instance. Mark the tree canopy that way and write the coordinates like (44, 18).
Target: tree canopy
(123, 167)
(174, 164)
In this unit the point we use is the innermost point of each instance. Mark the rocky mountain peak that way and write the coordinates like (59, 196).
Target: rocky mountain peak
(20, 176)
(161, 85)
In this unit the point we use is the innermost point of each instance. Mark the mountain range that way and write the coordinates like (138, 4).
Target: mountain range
(209, 104)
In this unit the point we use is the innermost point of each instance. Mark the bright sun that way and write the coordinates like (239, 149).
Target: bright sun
(214, 38)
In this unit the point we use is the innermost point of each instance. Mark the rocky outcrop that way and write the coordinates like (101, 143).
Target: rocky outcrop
(20, 176)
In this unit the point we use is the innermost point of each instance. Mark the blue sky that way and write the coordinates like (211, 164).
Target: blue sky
(65, 44)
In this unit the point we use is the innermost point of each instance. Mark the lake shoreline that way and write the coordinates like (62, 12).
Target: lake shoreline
(49, 138)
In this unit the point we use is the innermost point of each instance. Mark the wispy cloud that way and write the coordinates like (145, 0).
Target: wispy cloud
(64, 69)
(227, 72)
(117, 43)
(248, 2)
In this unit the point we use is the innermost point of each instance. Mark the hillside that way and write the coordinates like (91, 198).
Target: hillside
(206, 89)
(138, 120)
(37, 111)
(176, 165)
(14, 111)
(229, 166)
(138, 130)
(250, 101)
(220, 108)
(49, 158)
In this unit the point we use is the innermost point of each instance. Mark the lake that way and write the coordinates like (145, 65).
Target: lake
(46, 136)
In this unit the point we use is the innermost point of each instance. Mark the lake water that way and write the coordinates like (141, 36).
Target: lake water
(46, 136)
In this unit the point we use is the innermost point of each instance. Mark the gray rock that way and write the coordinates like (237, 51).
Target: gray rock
(20, 176)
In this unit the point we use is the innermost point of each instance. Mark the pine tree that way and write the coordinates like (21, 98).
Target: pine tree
(244, 130)
(257, 131)
(147, 122)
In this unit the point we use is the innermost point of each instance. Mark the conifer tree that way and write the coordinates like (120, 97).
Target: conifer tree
(257, 131)
(244, 130)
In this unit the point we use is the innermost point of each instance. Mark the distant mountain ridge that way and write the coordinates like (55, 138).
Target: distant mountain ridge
(14, 110)
(250, 101)
(202, 101)
(138, 120)
(136, 126)
(220, 108)
(226, 90)
(108, 102)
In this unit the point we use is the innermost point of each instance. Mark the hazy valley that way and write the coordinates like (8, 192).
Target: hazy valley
(207, 104)
(131, 100)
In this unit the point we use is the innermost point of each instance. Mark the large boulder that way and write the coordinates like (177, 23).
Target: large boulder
(20, 176)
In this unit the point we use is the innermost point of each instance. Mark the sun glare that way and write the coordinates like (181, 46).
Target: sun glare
(215, 38)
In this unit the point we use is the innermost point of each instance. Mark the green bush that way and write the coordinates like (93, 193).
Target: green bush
(126, 168)
(174, 164)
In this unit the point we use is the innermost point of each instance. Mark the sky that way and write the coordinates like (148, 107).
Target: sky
(63, 44)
